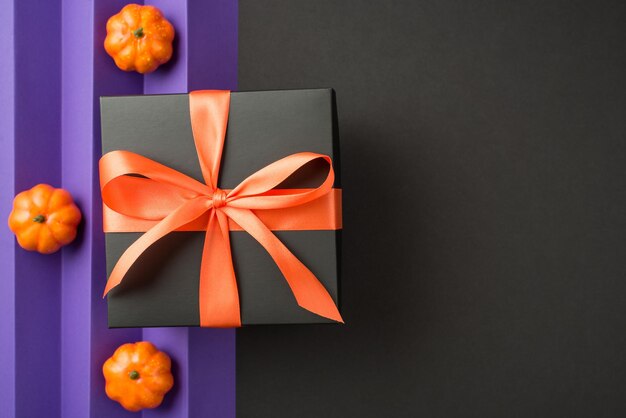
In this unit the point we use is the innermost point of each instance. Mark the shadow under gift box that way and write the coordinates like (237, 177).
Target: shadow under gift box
(161, 288)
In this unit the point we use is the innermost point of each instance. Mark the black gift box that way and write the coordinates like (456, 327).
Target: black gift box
(161, 288)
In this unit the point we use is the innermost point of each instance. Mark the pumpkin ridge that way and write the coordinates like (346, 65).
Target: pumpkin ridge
(23, 232)
(42, 190)
(15, 215)
(54, 232)
(57, 245)
(72, 222)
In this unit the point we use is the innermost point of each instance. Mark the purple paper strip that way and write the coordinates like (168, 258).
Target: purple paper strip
(87, 342)
(30, 332)
(204, 359)
(212, 33)
(172, 77)
(7, 242)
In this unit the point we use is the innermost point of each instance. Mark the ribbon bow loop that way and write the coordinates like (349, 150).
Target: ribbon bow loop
(137, 187)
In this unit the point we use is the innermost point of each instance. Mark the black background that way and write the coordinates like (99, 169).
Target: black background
(483, 154)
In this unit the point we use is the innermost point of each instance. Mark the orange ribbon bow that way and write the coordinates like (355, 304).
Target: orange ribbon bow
(165, 200)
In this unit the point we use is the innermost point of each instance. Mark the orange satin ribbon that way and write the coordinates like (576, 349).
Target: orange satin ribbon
(164, 200)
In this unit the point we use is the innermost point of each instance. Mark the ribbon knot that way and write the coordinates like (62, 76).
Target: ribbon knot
(169, 200)
(218, 198)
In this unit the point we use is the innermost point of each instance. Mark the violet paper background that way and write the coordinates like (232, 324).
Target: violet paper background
(53, 333)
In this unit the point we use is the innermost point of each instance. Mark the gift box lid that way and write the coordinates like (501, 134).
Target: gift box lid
(161, 288)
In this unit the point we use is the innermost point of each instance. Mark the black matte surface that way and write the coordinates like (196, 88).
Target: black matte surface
(484, 155)
(161, 288)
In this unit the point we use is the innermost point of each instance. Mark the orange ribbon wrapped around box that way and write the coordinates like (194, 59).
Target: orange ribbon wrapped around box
(140, 195)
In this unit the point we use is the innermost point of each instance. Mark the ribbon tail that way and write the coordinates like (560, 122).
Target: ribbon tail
(307, 289)
(219, 297)
(186, 213)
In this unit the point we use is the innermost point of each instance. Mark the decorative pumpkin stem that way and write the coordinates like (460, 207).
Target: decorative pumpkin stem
(138, 33)
(134, 375)
(39, 219)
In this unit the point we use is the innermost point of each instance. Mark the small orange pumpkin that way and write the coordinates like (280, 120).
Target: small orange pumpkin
(139, 38)
(44, 219)
(138, 376)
